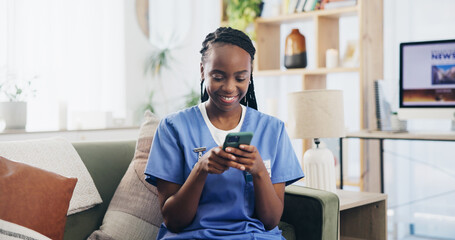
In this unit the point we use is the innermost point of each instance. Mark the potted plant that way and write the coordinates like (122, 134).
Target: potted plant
(13, 101)
(242, 13)
(155, 63)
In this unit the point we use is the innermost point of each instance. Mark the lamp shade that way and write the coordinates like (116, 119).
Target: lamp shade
(316, 114)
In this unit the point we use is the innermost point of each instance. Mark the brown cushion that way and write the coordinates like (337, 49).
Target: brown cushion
(34, 198)
(134, 211)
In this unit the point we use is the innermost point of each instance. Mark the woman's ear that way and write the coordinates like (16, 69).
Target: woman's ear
(202, 72)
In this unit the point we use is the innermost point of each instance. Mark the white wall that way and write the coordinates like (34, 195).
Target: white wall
(137, 49)
(124, 87)
(183, 73)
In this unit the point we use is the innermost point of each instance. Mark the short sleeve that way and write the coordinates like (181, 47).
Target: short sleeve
(286, 167)
(166, 158)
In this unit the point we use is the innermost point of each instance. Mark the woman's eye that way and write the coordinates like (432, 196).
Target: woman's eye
(241, 79)
(217, 77)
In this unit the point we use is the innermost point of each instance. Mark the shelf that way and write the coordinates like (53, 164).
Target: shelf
(427, 136)
(326, 22)
(303, 71)
(335, 13)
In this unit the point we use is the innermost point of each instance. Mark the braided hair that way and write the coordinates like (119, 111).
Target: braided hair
(238, 38)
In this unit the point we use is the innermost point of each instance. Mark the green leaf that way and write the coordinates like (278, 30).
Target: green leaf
(242, 13)
(149, 104)
(192, 99)
(157, 61)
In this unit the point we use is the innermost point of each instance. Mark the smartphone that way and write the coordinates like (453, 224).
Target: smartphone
(235, 139)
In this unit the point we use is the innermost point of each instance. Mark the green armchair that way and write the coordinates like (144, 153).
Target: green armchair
(311, 213)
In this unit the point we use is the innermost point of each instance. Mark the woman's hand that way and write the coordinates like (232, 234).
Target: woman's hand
(216, 161)
(269, 198)
(179, 203)
(247, 159)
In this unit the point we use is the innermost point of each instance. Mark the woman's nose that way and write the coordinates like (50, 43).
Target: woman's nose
(230, 85)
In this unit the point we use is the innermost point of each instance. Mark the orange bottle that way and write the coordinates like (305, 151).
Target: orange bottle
(295, 50)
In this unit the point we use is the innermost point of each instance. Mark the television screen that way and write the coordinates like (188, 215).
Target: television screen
(427, 74)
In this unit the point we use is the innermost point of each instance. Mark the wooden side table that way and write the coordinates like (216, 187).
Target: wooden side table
(362, 215)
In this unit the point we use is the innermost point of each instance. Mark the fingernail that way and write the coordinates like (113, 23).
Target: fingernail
(242, 147)
(233, 157)
(242, 168)
(228, 149)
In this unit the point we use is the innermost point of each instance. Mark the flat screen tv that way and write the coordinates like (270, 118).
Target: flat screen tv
(427, 79)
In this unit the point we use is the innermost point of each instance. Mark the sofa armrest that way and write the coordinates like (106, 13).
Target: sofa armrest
(107, 162)
(313, 213)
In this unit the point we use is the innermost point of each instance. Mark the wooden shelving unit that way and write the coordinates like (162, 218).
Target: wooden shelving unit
(296, 17)
(326, 36)
(304, 71)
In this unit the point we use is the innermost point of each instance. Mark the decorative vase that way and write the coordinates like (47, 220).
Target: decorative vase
(295, 50)
(14, 114)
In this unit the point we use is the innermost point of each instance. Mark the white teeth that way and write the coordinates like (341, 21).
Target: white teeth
(227, 98)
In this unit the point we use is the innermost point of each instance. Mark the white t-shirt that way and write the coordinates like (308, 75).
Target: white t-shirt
(217, 134)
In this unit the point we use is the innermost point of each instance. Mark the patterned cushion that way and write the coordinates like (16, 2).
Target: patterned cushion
(12, 231)
(134, 211)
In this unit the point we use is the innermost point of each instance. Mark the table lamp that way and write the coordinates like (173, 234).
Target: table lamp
(317, 114)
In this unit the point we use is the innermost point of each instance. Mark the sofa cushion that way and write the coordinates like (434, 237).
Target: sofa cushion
(56, 154)
(107, 162)
(12, 231)
(34, 198)
(134, 211)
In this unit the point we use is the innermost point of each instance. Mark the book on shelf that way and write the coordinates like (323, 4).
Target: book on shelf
(333, 4)
(323, 3)
(284, 7)
(309, 5)
(300, 5)
(292, 6)
(318, 5)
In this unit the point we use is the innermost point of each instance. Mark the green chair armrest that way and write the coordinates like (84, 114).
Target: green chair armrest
(313, 213)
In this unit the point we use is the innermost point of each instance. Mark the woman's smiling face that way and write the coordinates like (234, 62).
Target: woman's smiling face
(226, 72)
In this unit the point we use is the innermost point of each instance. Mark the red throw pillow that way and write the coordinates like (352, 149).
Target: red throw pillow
(34, 198)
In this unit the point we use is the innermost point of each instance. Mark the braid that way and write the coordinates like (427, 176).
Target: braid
(238, 38)
(204, 94)
(250, 98)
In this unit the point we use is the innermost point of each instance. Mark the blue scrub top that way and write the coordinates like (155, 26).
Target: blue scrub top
(226, 207)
